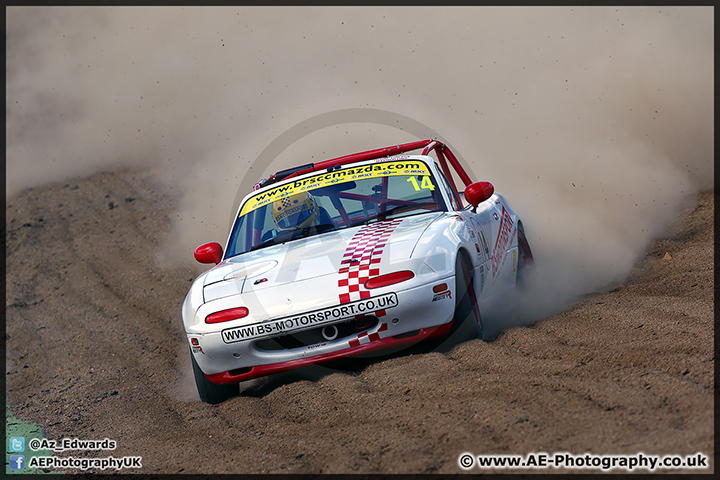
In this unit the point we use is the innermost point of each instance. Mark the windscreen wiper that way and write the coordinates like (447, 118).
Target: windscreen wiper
(401, 208)
(294, 235)
(282, 238)
(392, 211)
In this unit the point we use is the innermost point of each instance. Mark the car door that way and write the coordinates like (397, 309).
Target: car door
(480, 226)
(481, 252)
(501, 224)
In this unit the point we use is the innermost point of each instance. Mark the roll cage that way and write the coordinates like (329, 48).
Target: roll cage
(444, 154)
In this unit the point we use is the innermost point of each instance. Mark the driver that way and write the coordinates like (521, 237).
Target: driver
(296, 211)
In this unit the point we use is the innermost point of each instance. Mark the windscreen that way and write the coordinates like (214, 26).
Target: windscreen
(333, 200)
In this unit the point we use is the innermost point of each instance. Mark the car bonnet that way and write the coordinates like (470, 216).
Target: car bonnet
(374, 247)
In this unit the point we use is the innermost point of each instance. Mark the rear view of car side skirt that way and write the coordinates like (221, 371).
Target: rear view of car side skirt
(379, 344)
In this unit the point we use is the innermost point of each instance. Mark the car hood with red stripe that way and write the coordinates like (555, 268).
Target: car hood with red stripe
(313, 269)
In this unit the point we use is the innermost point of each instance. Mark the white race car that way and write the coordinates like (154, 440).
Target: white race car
(375, 250)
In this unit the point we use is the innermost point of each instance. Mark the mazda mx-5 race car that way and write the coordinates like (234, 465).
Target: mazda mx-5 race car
(374, 250)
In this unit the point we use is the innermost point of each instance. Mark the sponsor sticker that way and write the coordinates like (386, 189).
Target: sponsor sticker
(385, 169)
(506, 231)
(310, 319)
(441, 296)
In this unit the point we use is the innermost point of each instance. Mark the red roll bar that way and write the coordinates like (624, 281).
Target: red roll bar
(440, 148)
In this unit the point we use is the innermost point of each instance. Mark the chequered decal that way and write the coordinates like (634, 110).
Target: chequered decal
(364, 337)
(361, 259)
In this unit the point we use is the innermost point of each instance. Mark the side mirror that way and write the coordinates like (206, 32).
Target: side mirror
(478, 192)
(209, 253)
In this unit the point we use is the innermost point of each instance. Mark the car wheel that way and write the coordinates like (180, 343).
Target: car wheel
(210, 392)
(525, 258)
(467, 312)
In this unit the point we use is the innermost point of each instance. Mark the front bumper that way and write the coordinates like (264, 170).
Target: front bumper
(248, 373)
(420, 313)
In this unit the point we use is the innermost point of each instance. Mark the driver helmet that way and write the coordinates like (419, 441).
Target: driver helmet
(295, 211)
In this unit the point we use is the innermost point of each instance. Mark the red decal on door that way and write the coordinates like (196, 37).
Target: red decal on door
(505, 234)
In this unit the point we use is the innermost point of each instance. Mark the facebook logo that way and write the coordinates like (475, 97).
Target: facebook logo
(17, 444)
(17, 462)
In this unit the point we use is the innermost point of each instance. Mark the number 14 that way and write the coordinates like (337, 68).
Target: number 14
(426, 183)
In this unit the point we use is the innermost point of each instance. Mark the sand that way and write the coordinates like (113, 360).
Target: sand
(96, 350)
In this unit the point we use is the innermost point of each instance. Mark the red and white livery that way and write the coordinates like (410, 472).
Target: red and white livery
(375, 250)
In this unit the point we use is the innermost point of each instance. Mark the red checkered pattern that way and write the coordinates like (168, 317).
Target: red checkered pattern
(364, 337)
(361, 260)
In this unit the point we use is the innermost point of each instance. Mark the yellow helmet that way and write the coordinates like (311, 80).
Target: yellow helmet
(295, 211)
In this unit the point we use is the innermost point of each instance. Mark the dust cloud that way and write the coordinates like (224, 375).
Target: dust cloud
(596, 123)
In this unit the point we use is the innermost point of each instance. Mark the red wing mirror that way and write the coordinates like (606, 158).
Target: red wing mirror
(478, 192)
(209, 253)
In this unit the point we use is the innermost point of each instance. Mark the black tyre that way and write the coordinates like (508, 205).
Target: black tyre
(210, 392)
(467, 312)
